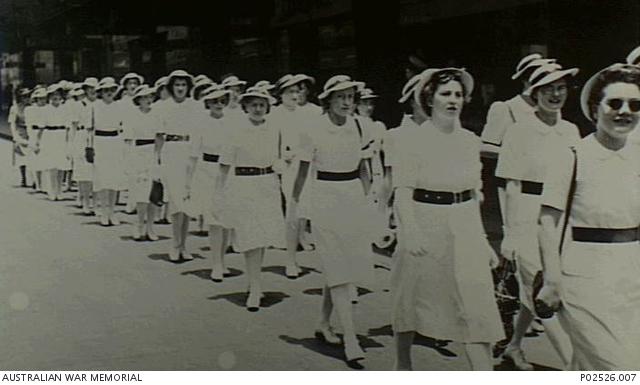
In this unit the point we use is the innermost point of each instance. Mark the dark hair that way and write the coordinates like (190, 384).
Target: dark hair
(173, 79)
(617, 74)
(534, 92)
(438, 79)
(225, 96)
(324, 103)
(246, 100)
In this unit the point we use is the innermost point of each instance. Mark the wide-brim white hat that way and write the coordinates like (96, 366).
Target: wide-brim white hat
(287, 80)
(131, 75)
(90, 82)
(143, 90)
(548, 74)
(107, 82)
(161, 82)
(532, 65)
(339, 83)
(203, 83)
(233, 81)
(180, 74)
(39, 93)
(524, 62)
(214, 92)
(264, 84)
(634, 57)
(426, 75)
(409, 88)
(54, 88)
(258, 93)
(367, 93)
(305, 78)
(585, 93)
(201, 77)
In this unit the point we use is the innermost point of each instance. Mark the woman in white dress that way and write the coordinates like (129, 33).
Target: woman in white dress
(108, 166)
(180, 123)
(524, 166)
(291, 122)
(211, 142)
(35, 118)
(236, 87)
(78, 140)
(252, 194)
(53, 143)
(592, 276)
(140, 131)
(199, 86)
(19, 133)
(162, 94)
(333, 148)
(82, 169)
(441, 279)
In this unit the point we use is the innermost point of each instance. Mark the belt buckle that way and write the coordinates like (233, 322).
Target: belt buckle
(457, 197)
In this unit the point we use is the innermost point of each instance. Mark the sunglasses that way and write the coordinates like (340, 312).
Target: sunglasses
(616, 104)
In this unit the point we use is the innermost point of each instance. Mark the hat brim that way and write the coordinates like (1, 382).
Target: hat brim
(215, 95)
(550, 78)
(235, 83)
(369, 97)
(466, 78)
(269, 98)
(107, 86)
(340, 87)
(139, 78)
(290, 82)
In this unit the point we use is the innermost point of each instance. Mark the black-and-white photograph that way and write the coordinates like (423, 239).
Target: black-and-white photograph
(326, 185)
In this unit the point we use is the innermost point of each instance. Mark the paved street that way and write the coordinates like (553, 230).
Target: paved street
(79, 296)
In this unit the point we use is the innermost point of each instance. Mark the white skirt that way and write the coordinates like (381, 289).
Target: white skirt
(82, 170)
(204, 184)
(108, 166)
(53, 150)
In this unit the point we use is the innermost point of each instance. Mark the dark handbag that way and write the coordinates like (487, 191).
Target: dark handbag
(156, 196)
(89, 151)
(541, 308)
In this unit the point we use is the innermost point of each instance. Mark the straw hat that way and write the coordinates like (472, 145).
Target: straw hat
(233, 81)
(367, 93)
(339, 83)
(409, 88)
(107, 82)
(305, 78)
(548, 74)
(264, 84)
(426, 75)
(634, 57)
(182, 74)
(143, 90)
(258, 93)
(131, 75)
(203, 82)
(39, 93)
(588, 86)
(202, 77)
(90, 82)
(54, 88)
(215, 91)
(524, 63)
(161, 82)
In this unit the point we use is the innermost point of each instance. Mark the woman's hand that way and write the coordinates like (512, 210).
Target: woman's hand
(550, 295)
(510, 244)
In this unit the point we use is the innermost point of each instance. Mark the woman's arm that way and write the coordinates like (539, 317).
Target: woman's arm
(365, 178)
(408, 225)
(301, 179)
(511, 236)
(548, 237)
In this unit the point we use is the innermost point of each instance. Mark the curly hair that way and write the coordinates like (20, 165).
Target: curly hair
(623, 73)
(172, 81)
(438, 79)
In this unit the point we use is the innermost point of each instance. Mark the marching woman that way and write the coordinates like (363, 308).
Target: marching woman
(180, 121)
(36, 120)
(108, 166)
(236, 87)
(199, 86)
(76, 123)
(53, 144)
(162, 94)
(290, 121)
(332, 148)
(210, 143)
(524, 166)
(441, 280)
(82, 169)
(140, 128)
(306, 90)
(594, 278)
(252, 194)
(19, 133)
(128, 85)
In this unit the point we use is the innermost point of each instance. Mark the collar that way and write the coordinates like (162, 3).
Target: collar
(602, 153)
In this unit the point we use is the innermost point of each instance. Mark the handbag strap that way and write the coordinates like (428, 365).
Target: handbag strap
(572, 191)
(93, 127)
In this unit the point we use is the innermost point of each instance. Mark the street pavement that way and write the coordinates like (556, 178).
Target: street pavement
(78, 296)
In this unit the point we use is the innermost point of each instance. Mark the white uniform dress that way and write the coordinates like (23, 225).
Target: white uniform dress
(377, 131)
(252, 202)
(35, 118)
(447, 294)
(21, 154)
(343, 223)
(128, 108)
(82, 170)
(54, 139)
(210, 143)
(601, 285)
(142, 168)
(526, 156)
(108, 165)
(183, 122)
(290, 123)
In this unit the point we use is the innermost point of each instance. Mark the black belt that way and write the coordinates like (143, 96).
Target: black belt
(213, 158)
(39, 128)
(176, 138)
(590, 234)
(144, 142)
(54, 128)
(501, 182)
(80, 128)
(250, 171)
(533, 188)
(106, 133)
(338, 176)
(441, 197)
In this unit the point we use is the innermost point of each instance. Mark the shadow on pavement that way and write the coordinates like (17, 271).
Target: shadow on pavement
(198, 233)
(81, 214)
(269, 299)
(331, 351)
(420, 340)
(165, 257)
(280, 270)
(318, 291)
(206, 273)
(143, 239)
(507, 365)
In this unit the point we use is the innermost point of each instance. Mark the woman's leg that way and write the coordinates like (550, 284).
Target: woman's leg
(216, 242)
(185, 233)
(102, 202)
(53, 181)
(479, 356)
(404, 341)
(514, 350)
(342, 304)
(559, 339)
(141, 213)
(38, 180)
(291, 268)
(23, 175)
(60, 176)
(254, 260)
(151, 215)
(176, 220)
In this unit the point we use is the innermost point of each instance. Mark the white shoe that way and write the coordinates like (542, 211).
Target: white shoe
(136, 233)
(152, 236)
(174, 255)
(186, 255)
(115, 221)
(516, 355)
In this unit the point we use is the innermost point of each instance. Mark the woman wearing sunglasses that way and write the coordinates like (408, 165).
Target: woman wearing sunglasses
(594, 279)
(441, 281)
(524, 164)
